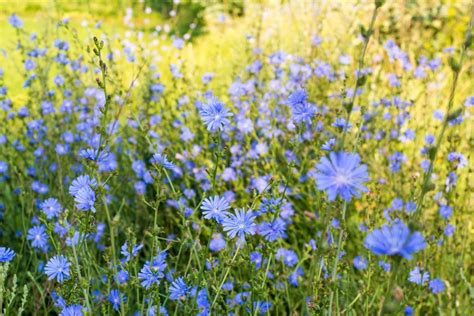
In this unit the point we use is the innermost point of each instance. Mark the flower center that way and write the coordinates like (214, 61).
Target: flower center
(341, 179)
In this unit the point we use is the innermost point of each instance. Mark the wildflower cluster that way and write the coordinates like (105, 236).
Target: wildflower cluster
(137, 177)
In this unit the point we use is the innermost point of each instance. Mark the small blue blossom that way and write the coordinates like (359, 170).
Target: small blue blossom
(80, 183)
(15, 21)
(418, 277)
(274, 230)
(85, 199)
(116, 299)
(256, 258)
(214, 208)
(37, 236)
(178, 290)
(239, 224)
(73, 310)
(449, 230)
(395, 240)
(51, 208)
(360, 263)
(437, 286)
(445, 211)
(153, 271)
(6, 254)
(162, 160)
(121, 277)
(124, 250)
(217, 243)
(341, 174)
(288, 257)
(297, 98)
(329, 144)
(215, 115)
(342, 124)
(58, 268)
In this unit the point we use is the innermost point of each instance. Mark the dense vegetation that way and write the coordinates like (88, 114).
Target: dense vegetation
(303, 157)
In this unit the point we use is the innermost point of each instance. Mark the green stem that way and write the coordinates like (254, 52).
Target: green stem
(359, 83)
(336, 259)
(457, 70)
(225, 277)
(78, 271)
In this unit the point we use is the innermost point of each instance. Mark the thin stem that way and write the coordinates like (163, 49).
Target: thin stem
(225, 277)
(112, 235)
(457, 70)
(359, 83)
(218, 157)
(78, 271)
(336, 259)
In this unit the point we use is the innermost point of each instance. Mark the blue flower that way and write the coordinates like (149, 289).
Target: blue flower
(256, 258)
(38, 237)
(395, 240)
(445, 211)
(288, 257)
(3, 167)
(152, 272)
(385, 265)
(329, 144)
(51, 208)
(360, 263)
(449, 230)
(57, 268)
(261, 307)
(73, 310)
(240, 224)
(202, 302)
(149, 276)
(163, 161)
(115, 298)
(6, 254)
(410, 207)
(15, 21)
(214, 208)
(93, 155)
(418, 277)
(302, 111)
(81, 182)
(178, 289)
(296, 276)
(85, 199)
(217, 243)
(122, 277)
(163, 311)
(396, 161)
(342, 124)
(341, 174)
(274, 230)
(127, 254)
(215, 115)
(269, 205)
(297, 98)
(436, 286)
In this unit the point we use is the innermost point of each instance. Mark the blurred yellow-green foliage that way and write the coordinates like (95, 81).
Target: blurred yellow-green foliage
(289, 25)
